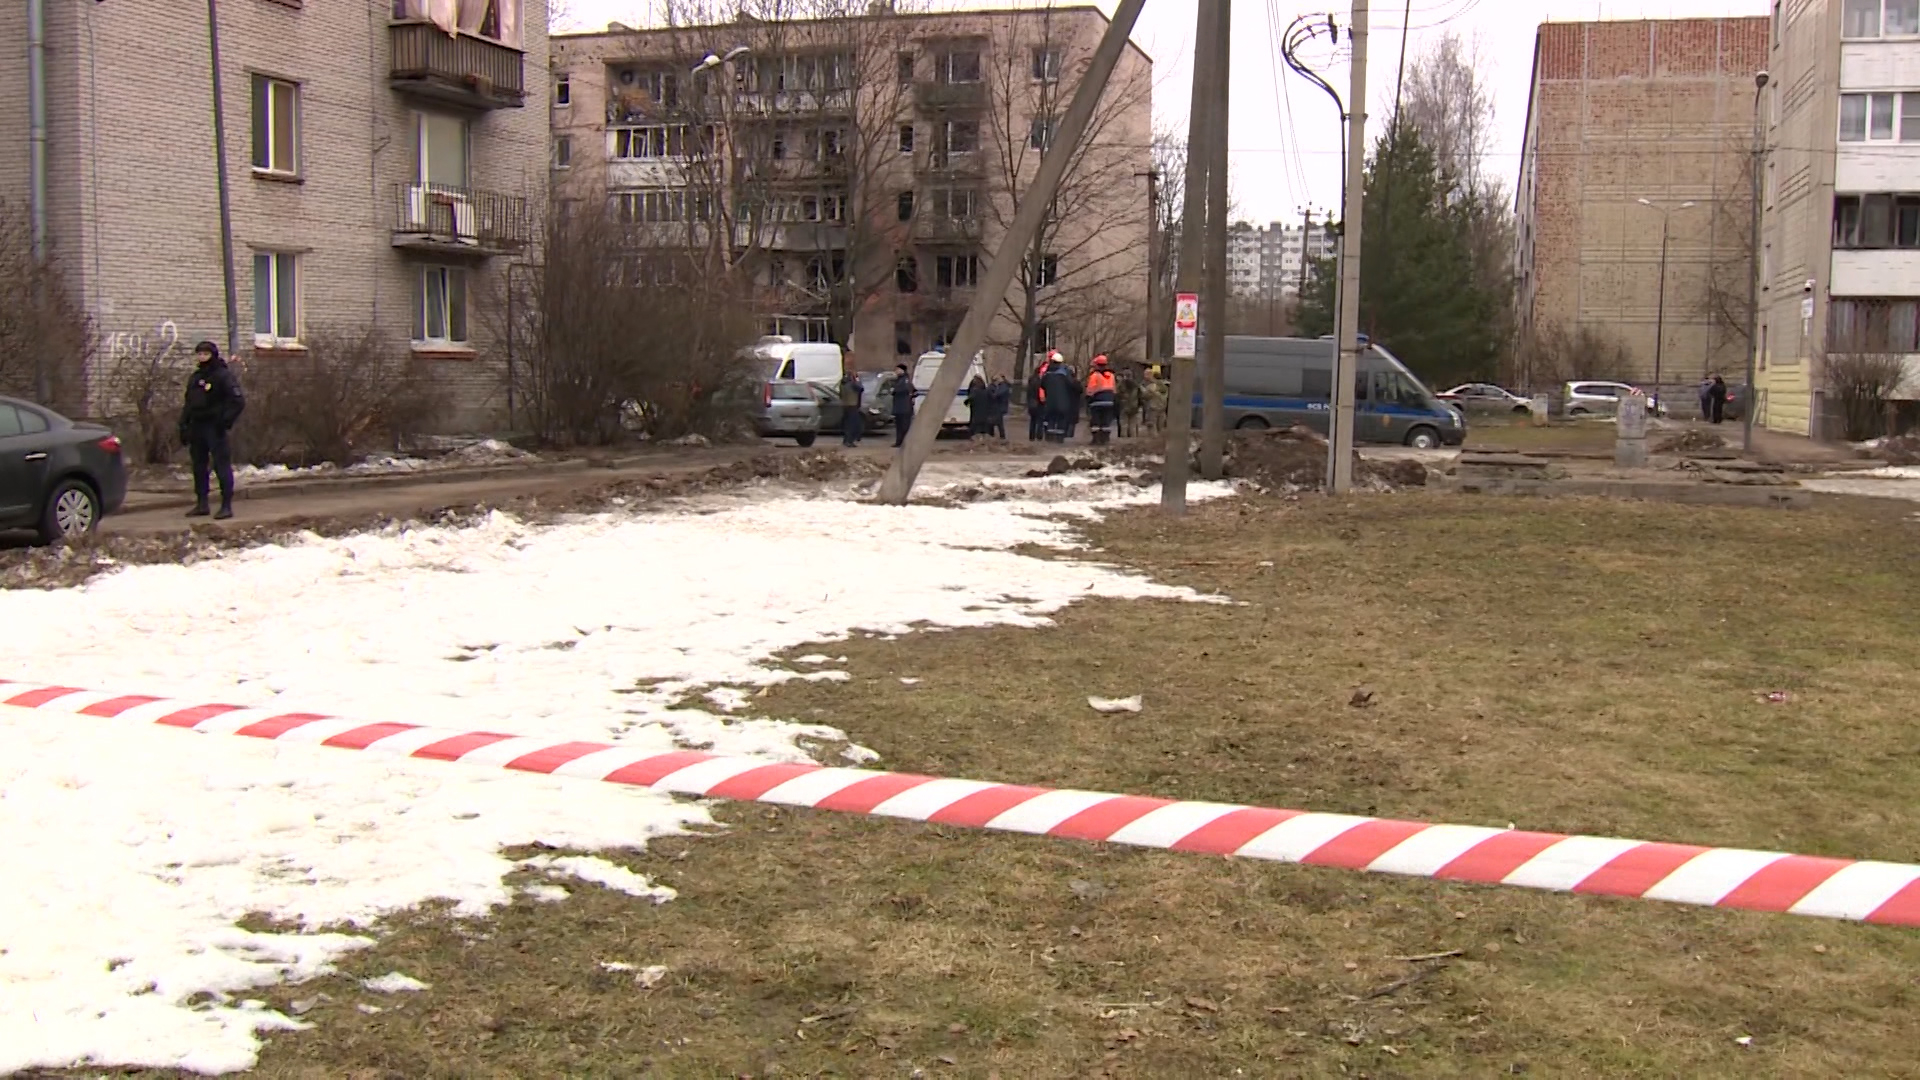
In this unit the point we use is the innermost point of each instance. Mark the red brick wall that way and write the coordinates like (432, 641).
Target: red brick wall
(1668, 48)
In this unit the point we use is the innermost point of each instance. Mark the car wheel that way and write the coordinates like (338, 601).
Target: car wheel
(1251, 423)
(73, 511)
(1423, 438)
(804, 440)
(1576, 411)
(1522, 410)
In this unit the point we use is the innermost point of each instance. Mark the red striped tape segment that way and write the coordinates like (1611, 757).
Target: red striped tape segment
(1875, 892)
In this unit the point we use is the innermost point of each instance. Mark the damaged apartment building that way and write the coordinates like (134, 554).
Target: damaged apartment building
(385, 160)
(861, 170)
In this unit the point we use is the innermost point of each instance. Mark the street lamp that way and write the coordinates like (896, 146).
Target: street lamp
(1660, 319)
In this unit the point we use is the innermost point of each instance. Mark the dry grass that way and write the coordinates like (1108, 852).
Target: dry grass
(1568, 665)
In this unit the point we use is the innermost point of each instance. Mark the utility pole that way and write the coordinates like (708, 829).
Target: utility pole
(1153, 268)
(1193, 219)
(220, 173)
(1213, 298)
(1347, 336)
(992, 291)
(1752, 398)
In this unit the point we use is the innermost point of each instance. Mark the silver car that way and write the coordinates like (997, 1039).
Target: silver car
(797, 410)
(1486, 399)
(1598, 398)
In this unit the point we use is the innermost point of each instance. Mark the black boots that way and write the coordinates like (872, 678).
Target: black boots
(200, 510)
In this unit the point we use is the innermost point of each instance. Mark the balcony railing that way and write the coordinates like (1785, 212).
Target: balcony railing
(459, 221)
(787, 102)
(460, 69)
(936, 95)
(963, 163)
(947, 230)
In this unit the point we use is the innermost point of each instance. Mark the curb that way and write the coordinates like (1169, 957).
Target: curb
(1864, 891)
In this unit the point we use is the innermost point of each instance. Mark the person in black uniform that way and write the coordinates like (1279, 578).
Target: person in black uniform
(213, 404)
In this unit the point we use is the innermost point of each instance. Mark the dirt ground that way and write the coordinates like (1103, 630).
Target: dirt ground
(1570, 665)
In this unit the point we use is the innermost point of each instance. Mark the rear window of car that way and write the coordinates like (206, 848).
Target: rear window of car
(20, 421)
(9, 421)
(791, 392)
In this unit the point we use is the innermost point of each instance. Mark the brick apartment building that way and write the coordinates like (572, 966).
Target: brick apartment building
(1841, 229)
(383, 171)
(1627, 122)
(863, 169)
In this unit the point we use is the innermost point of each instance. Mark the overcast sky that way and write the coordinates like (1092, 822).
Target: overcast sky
(1279, 165)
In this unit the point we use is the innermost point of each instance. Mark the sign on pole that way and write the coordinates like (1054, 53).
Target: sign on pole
(1186, 325)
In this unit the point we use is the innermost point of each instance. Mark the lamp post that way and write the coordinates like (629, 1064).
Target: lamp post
(731, 81)
(1752, 402)
(1660, 317)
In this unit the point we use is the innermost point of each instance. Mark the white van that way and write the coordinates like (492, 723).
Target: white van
(927, 369)
(805, 361)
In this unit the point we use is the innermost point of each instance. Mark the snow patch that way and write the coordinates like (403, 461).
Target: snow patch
(394, 982)
(599, 871)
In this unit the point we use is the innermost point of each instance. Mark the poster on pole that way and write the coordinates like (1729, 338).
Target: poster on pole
(1186, 325)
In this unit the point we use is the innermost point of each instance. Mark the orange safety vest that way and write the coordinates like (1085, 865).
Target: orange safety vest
(1100, 381)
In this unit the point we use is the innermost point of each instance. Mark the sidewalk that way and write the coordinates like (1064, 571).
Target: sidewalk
(148, 513)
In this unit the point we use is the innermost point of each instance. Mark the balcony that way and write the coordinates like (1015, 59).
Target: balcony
(457, 70)
(940, 97)
(946, 230)
(448, 221)
(955, 164)
(793, 102)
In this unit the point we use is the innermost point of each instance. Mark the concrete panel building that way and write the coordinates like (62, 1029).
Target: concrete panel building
(1841, 232)
(383, 170)
(864, 169)
(1627, 124)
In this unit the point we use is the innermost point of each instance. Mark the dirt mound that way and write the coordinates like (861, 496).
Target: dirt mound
(1061, 463)
(1689, 441)
(1295, 459)
(1900, 450)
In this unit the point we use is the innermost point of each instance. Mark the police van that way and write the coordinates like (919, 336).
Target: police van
(1279, 382)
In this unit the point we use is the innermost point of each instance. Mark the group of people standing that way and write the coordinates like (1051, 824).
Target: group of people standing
(1057, 399)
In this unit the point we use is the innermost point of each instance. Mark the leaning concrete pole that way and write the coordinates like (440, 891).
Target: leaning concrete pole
(1193, 228)
(1347, 335)
(1213, 298)
(1014, 246)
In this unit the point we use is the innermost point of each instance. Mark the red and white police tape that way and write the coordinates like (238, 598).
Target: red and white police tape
(1874, 892)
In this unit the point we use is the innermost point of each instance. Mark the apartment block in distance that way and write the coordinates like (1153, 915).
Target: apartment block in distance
(384, 169)
(1627, 124)
(864, 168)
(1285, 251)
(1841, 232)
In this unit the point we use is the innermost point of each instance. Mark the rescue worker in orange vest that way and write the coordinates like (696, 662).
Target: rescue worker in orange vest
(1101, 398)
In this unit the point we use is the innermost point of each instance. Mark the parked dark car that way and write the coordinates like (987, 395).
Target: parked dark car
(58, 477)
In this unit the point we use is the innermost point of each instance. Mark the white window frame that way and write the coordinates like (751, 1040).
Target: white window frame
(1867, 99)
(952, 126)
(563, 151)
(1048, 61)
(562, 91)
(261, 84)
(1042, 132)
(278, 263)
(944, 67)
(1879, 9)
(443, 277)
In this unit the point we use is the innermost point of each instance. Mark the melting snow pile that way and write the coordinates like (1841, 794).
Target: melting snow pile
(133, 852)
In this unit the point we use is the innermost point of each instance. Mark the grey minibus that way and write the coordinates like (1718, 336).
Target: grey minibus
(1279, 382)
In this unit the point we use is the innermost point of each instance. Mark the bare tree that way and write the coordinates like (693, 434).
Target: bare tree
(612, 331)
(1091, 245)
(1727, 298)
(1561, 353)
(42, 324)
(1170, 167)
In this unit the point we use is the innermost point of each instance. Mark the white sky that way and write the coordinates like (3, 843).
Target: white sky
(1271, 179)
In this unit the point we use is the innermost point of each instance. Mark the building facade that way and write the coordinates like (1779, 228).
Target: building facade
(1285, 252)
(383, 170)
(1841, 230)
(1243, 259)
(862, 170)
(1633, 205)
